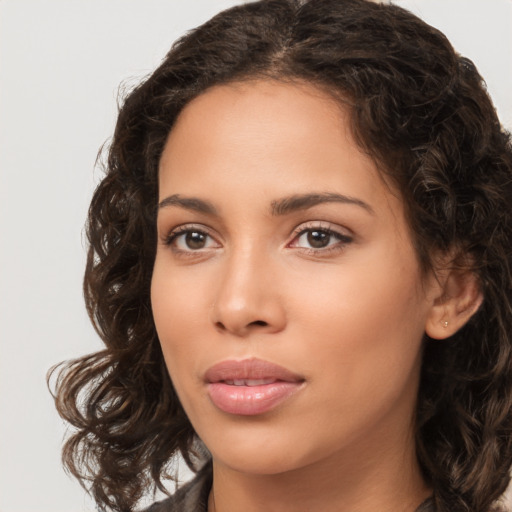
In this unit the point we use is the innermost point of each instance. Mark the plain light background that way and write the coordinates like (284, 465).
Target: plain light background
(61, 62)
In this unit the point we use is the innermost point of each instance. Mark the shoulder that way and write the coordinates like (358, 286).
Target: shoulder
(192, 497)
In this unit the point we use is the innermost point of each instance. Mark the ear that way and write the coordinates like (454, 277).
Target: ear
(458, 297)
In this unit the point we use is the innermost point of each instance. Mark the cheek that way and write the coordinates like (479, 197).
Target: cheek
(178, 292)
(365, 321)
(180, 308)
(360, 294)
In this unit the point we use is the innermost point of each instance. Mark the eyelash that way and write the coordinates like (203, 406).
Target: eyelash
(171, 239)
(342, 239)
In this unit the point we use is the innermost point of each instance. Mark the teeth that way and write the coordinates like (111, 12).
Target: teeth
(249, 382)
(258, 382)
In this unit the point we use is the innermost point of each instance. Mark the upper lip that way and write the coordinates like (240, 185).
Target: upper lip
(249, 369)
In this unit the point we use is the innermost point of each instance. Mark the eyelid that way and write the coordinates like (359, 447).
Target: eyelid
(175, 232)
(344, 235)
(321, 225)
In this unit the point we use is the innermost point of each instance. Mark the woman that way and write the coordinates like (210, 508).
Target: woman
(300, 265)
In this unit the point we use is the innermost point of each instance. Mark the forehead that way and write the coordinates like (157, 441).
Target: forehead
(254, 136)
(258, 111)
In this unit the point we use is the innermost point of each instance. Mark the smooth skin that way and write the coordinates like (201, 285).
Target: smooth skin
(280, 240)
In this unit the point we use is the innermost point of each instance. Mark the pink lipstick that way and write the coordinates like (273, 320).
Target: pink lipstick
(251, 386)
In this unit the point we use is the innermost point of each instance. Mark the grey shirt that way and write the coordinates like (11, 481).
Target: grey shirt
(193, 497)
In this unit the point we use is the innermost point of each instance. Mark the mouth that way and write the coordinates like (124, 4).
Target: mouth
(251, 386)
(249, 382)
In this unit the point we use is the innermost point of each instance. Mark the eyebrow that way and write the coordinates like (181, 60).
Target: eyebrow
(189, 203)
(304, 201)
(279, 207)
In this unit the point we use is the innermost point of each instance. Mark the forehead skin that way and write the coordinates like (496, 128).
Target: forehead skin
(266, 115)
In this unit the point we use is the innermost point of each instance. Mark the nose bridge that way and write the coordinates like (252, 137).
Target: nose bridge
(246, 297)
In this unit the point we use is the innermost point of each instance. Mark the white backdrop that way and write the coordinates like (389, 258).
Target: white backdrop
(61, 62)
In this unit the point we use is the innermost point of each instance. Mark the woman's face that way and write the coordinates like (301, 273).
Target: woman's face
(286, 292)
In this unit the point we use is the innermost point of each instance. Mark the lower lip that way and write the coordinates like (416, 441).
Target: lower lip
(251, 400)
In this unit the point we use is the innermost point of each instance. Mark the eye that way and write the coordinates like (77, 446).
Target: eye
(188, 239)
(316, 239)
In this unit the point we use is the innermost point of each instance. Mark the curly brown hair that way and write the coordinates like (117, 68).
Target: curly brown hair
(422, 112)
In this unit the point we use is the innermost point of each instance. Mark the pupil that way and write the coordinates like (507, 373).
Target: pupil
(318, 239)
(195, 240)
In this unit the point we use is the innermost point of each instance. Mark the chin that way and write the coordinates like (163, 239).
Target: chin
(253, 462)
(258, 451)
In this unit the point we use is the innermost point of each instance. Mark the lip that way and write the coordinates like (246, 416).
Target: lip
(268, 386)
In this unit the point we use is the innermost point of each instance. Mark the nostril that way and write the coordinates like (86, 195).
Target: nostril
(240, 329)
(220, 326)
(259, 322)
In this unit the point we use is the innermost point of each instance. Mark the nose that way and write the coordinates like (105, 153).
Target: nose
(248, 298)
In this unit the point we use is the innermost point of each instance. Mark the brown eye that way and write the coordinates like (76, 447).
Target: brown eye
(318, 239)
(195, 240)
(190, 240)
(321, 240)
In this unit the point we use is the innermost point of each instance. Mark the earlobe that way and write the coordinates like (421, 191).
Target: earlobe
(459, 298)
